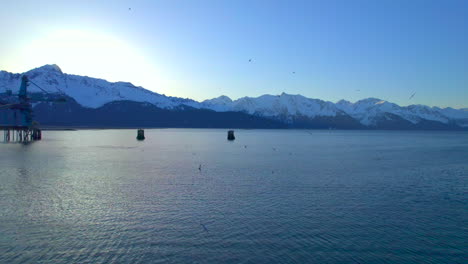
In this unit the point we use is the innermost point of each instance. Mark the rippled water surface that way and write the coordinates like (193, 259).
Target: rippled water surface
(271, 196)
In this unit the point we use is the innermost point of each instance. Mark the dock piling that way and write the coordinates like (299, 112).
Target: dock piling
(141, 134)
(231, 135)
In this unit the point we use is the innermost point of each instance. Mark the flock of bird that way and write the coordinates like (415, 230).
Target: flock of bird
(357, 90)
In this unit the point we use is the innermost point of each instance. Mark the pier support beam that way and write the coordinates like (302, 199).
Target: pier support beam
(6, 135)
(21, 134)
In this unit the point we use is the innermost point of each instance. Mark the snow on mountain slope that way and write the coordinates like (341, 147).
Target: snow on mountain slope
(220, 104)
(369, 111)
(87, 91)
(365, 111)
(93, 93)
(284, 106)
(454, 113)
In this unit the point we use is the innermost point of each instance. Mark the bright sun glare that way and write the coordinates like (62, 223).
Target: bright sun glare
(93, 54)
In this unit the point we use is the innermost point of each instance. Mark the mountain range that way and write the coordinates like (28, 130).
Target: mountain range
(92, 102)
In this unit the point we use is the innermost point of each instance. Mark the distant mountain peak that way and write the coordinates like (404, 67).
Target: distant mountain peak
(344, 102)
(48, 68)
(221, 103)
(290, 95)
(370, 100)
(223, 99)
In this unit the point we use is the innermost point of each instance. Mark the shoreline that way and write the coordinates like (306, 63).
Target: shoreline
(76, 128)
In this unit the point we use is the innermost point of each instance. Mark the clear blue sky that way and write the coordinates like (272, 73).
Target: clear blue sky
(200, 49)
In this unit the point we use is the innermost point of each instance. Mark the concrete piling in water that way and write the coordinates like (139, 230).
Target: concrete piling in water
(141, 134)
(231, 135)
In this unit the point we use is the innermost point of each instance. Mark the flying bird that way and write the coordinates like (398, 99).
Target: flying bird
(293, 72)
(199, 167)
(412, 96)
(250, 60)
(204, 227)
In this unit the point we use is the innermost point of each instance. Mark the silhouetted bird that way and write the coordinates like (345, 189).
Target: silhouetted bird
(412, 96)
(294, 72)
(250, 60)
(199, 167)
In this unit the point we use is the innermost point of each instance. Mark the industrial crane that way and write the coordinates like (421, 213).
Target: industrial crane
(23, 129)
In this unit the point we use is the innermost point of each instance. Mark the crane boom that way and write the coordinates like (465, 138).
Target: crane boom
(23, 104)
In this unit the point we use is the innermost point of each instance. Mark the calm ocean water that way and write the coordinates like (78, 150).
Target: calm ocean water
(271, 196)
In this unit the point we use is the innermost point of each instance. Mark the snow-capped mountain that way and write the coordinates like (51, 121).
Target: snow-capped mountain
(220, 104)
(291, 110)
(369, 111)
(87, 91)
(284, 106)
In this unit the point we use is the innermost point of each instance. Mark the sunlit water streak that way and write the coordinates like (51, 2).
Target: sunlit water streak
(271, 196)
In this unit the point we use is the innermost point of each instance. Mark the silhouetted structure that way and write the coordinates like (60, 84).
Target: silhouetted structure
(16, 119)
(231, 135)
(141, 134)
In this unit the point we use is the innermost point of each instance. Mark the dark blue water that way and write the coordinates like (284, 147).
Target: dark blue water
(271, 196)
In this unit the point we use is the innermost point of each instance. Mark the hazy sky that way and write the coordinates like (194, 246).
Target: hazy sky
(201, 49)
